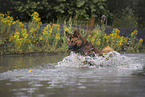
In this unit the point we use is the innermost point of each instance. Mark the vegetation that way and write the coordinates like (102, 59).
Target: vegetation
(19, 38)
(117, 42)
(117, 12)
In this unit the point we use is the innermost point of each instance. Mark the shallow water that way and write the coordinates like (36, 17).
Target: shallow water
(68, 76)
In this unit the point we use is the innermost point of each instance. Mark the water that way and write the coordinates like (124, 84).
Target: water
(67, 76)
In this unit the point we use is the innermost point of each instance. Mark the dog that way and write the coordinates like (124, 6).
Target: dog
(78, 44)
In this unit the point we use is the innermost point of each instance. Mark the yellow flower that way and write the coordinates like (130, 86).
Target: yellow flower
(29, 47)
(135, 32)
(21, 24)
(57, 25)
(57, 37)
(92, 40)
(40, 38)
(95, 36)
(20, 50)
(31, 31)
(1, 41)
(48, 26)
(35, 14)
(66, 29)
(14, 23)
(1, 15)
(17, 33)
(141, 40)
(98, 43)
(9, 24)
(50, 30)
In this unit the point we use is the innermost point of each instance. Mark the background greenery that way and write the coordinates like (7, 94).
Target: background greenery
(19, 38)
(28, 26)
(117, 12)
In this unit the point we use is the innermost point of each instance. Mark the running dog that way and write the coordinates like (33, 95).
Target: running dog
(78, 44)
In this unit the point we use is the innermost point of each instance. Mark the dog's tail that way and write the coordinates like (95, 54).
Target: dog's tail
(107, 49)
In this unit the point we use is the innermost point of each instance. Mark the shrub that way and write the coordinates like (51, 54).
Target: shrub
(134, 44)
(114, 40)
(119, 43)
(25, 40)
(127, 20)
(6, 23)
(50, 37)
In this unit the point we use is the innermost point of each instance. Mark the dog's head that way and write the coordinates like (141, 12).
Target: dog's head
(74, 40)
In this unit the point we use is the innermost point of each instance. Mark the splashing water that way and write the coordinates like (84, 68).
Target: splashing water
(111, 59)
(112, 74)
(70, 68)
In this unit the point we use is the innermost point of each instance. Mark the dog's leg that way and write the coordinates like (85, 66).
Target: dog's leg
(84, 58)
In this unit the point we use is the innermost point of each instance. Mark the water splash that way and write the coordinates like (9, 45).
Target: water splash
(111, 59)
(70, 69)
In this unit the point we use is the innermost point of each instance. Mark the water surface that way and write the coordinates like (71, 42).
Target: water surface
(67, 76)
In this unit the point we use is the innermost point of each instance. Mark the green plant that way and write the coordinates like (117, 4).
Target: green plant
(134, 44)
(24, 40)
(6, 23)
(96, 37)
(50, 37)
(50, 11)
(22, 44)
(31, 38)
(128, 20)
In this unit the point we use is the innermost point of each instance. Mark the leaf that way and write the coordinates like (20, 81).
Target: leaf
(95, 1)
(61, 0)
(80, 3)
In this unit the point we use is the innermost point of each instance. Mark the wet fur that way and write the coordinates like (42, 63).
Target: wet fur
(78, 44)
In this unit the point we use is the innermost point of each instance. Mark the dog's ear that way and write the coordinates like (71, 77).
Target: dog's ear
(76, 33)
(67, 34)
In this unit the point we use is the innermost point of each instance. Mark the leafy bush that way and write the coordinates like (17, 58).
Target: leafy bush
(134, 44)
(52, 10)
(114, 40)
(6, 23)
(7, 28)
(50, 37)
(128, 20)
(25, 40)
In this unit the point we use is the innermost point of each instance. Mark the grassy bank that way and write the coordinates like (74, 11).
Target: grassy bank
(20, 38)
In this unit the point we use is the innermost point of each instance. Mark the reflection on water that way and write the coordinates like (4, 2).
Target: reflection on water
(60, 76)
(14, 62)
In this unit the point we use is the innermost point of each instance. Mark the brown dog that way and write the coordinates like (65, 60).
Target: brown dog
(78, 44)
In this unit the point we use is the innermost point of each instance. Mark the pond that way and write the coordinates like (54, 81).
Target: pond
(61, 75)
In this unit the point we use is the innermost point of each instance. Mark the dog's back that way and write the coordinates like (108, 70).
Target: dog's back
(107, 49)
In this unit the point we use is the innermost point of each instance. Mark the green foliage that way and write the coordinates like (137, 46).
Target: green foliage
(5, 27)
(127, 20)
(25, 40)
(50, 11)
(50, 37)
(31, 38)
(134, 44)
(82, 10)
(126, 11)
(114, 40)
